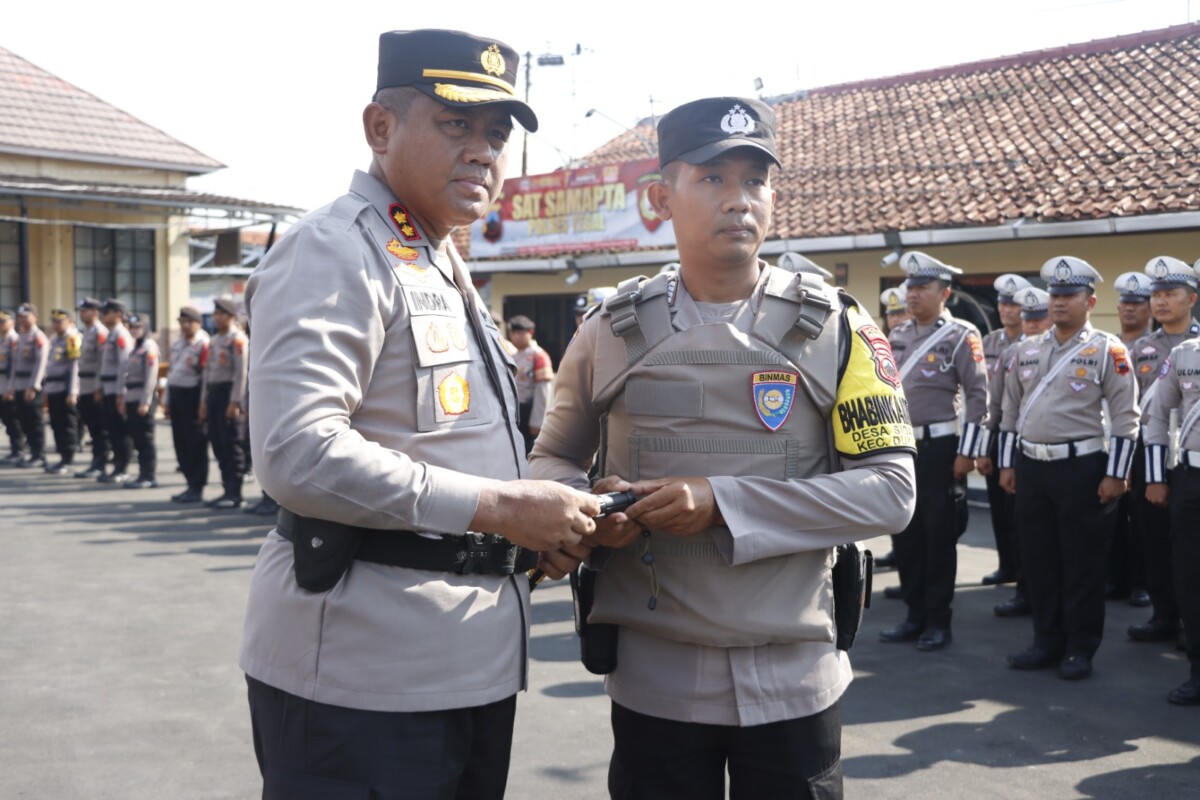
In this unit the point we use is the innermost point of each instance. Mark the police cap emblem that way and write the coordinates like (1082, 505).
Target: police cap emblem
(737, 122)
(1062, 271)
(492, 60)
(1161, 270)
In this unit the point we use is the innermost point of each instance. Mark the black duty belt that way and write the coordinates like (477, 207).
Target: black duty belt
(134, 385)
(22, 374)
(108, 377)
(87, 374)
(483, 554)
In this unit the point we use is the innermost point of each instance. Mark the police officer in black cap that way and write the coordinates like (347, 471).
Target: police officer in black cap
(113, 357)
(181, 403)
(223, 401)
(91, 408)
(8, 407)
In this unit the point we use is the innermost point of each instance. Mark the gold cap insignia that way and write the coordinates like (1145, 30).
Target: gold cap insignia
(492, 60)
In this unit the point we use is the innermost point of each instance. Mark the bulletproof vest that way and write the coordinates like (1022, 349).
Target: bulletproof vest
(713, 401)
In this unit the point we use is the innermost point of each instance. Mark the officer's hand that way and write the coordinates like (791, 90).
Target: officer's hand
(1110, 489)
(1157, 494)
(615, 530)
(8, 397)
(202, 414)
(984, 465)
(143, 410)
(29, 395)
(98, 396)
(166, 412)
(679, 506)
(121, 405)
(534, 432)
(1008, 480)
(233, 411)
(962, 467)
(559, 563)
(72, 400)
(537, 515)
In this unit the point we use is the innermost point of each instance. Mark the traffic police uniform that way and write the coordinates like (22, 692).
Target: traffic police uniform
(894, 309)
(535, 381)
(1053, 432)
(118, 344)
(182, 396)
(8, 408)
(1000, 502)
(726, 636)
(387, 409)
(225, 383)
(28, 371)
(91, 411)
(139, 384)
(935, 361)
(1176, 399)
(62, 392)
(1151, 524)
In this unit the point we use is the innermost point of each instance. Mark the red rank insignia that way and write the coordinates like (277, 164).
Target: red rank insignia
(400, 216)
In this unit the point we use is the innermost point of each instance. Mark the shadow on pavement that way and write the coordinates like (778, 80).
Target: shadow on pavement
(1155, 780)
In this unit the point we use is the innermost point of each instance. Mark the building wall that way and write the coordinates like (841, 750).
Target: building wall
(1111, 255)
(87, 172)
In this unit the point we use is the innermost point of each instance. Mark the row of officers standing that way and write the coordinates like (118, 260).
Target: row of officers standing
(101, 376)
(1080, 434)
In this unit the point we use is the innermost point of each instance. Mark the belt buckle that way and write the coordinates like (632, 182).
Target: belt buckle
(1041, 451)
(476, 559)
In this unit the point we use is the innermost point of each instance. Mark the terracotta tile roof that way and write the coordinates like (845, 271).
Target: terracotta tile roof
(41, 114)
(1107, 128)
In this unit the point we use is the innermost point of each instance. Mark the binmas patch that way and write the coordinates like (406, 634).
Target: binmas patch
(774, 393)
(870, 414)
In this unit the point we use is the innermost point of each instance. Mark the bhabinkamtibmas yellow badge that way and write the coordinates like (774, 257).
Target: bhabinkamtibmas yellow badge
(871, 412)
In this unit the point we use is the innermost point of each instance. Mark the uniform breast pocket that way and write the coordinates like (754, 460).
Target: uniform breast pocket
(1080, 378)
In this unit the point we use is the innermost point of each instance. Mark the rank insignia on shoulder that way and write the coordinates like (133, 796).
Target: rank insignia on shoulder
(976, 346)
(1120, 360)
(401, 251)
(454, 394)
(774, 393)
(403, 221)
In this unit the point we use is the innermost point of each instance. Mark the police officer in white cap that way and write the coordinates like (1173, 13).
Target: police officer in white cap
(1176, 398)
(1035, 307)
(999, 501)
(795, 262)
(1133, 306)
(895, 308)
(1173, 295)
(1052, 454)
(938, 355)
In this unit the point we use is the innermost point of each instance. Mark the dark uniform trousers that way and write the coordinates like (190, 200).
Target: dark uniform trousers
(64, 421)
(228, 438)
(661, 759)
(16, 437)
(1063, 532)
(1002, 506)
(33, 424)
(141, 435)
(524, 412)
(1126, 561)
(1152, 533)
(118, 434)
(1185, 546)
(191, 442)
(927, 550)
(313, 751)
(92, 414)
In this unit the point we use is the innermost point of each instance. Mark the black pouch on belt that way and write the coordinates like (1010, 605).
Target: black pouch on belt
(597, 640)
(322, 552)
(852, 574)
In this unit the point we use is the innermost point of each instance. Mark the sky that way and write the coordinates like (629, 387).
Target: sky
(275, 90)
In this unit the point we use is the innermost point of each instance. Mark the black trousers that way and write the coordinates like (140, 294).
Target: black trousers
(141, 434)
(1003, 508)
(33, 424)
(1064, 534)
(1184, 508)
(313, 751)
(927, 550)
(524, 412)
(1126, 561)
(191, 442)
(118, 434)
(1151, 527)
(64, 421)
(16, 437)
(228, 439)
(92, 414)
(661, 759)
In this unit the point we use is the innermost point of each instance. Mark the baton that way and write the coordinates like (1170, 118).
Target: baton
(610, 503)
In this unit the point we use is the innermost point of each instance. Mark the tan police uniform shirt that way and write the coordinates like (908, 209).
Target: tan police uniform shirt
(932, 386)
(1178, 390)
(140, 377)
(118, 344)
(62, 366)
(373, 403)
(535, 381)
(7, 356)
(1149, 353)
(94, 337)
(227, 364)
(763, 519)
(1069, 408)
(31, 349)
(188, 360)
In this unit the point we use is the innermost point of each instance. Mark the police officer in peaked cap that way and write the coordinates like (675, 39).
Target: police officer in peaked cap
(385, 425)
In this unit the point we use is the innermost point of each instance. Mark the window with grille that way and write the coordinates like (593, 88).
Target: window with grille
(118, 264)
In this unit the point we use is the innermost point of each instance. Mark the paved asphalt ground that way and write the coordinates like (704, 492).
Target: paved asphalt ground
(120, 616)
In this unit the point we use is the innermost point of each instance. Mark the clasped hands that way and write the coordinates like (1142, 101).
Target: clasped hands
(679, 506)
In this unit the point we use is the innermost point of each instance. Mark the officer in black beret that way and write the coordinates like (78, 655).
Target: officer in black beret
(8, 406)
(387, 414)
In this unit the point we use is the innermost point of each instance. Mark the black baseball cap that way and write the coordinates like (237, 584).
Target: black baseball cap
(226, 305)
(190, 312)
(89, 302)
(521, 323)
(137, 321)
(701, 130)
(26, 308)
(114, 305)
(454, 68)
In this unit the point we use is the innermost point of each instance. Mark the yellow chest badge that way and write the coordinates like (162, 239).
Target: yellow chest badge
(401, 251)
(454, 394)
(435, 339)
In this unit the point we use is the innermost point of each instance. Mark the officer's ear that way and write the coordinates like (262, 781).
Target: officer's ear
(659, 195)
(1091, 301)
(377, 126)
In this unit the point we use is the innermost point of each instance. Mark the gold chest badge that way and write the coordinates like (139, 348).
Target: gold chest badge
(454, 394)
